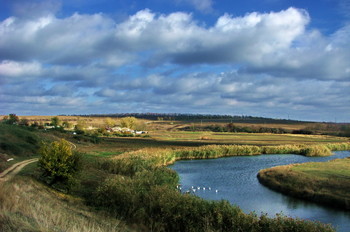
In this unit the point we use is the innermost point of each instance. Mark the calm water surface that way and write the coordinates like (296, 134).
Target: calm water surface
(235, 180)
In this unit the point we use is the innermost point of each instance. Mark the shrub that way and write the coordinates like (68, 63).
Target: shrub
(58, 163)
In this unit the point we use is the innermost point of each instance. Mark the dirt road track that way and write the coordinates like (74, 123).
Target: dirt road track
(14, 169)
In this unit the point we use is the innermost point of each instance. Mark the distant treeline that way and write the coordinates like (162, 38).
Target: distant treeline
(191, 117)
(230, 127)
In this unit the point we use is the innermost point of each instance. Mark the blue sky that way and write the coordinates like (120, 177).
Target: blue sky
(270, 58)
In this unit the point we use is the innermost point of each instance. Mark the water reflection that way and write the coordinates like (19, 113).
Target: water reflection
(235, 179)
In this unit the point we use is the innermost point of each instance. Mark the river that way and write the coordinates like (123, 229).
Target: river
(234, 179)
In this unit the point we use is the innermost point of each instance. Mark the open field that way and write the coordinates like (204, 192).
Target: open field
(176, 140)
(327, 182)
(242, 138)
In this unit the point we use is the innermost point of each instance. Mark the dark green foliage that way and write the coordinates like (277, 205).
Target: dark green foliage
(230, 127)
(87, 138)
(303, 132)
(11, 119)
(18, 141)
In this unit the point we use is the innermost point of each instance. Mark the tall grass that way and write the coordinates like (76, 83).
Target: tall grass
(327, 182)
(143, 191)
(162, 157)
(26, 205)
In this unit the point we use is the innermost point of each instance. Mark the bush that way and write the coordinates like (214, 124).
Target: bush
(58, 163)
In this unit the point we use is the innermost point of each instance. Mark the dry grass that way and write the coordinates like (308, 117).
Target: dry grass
(243, 138)
(26, 205)
(154, 125)
(327, 182)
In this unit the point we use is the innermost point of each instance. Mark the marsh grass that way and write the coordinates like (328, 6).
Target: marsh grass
(327, 182)
(163, 157)
(142, 190)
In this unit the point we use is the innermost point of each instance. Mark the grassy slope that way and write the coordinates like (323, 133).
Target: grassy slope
(27, 205)
(21, 143)
(327, 182)
(18, 143)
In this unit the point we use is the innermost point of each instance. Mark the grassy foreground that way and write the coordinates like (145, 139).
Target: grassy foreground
(27, 205)
(327, 182)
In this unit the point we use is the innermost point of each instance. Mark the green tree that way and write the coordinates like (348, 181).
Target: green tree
(55, 121)
(128, 122)
(11, 119)
(58, 163)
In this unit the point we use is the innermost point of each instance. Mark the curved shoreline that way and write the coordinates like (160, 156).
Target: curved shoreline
(145, 170)
(285, 179)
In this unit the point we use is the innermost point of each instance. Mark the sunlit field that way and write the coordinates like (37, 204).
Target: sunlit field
(242, 138)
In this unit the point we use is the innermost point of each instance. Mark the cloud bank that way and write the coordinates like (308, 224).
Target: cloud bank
(90, 63)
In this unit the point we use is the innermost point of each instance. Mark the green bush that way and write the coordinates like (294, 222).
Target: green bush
(58, 163)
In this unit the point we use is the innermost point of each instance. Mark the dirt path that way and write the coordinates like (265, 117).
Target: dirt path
(14, 169)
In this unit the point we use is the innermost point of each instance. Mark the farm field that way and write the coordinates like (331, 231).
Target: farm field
(243, 138)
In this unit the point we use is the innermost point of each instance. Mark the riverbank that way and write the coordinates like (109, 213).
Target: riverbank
(326, 183)
(163, 157)
(140, 184)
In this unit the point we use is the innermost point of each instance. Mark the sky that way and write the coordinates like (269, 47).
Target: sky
(266, 58)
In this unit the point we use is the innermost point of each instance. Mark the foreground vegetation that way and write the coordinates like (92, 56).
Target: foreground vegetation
(327, 182)
(129, 179)
(141, 189)
(27, 205)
